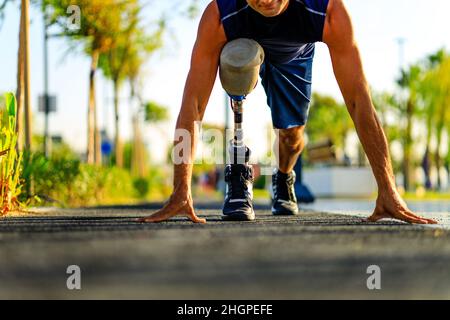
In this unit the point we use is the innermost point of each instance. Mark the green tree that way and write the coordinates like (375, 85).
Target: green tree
(409, 81)
(23, 94)
(433, 101)
(387, 106)
(10, 160)
(99, 24)
(428, 97)
(328, 119)
(125, 59)
(2, 10)
(155, 112)
(441, 81)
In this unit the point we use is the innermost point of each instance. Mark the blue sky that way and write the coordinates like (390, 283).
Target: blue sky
(378, 23)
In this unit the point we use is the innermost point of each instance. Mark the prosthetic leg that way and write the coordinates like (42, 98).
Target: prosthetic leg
(240, 62)
(238, 151)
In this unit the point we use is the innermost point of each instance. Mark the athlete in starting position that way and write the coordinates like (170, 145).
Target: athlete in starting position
(287, 31)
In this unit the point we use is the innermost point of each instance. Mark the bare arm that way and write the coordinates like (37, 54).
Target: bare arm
(348, 69)
(200, 81)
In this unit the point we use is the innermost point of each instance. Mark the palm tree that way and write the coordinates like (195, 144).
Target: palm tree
(432, 93)
(23, 77)
(125, 59)
(20, 85)
(428, 98)
(409, 80)
(442, 84)
(328, 111)
(2, 10)
(100, 22)
(387, 106)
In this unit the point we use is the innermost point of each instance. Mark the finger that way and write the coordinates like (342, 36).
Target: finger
(426, 221)
(168, 211)
(410, 219)
(146, 220)
(150, 219)
(411, 214)
(156, 217)
(429, 221)
(194, 218)
(403, 216)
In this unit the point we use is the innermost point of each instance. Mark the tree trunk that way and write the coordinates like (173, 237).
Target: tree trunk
(98, 139)
(138, 158)
(361, 156)
(134, 150)
(407, 161)
(98, 143)
(437, 163)
(426, 165)
(437, 155)
(447, 160)
(91, 109)
(344, 141)
(27, 85)
(117, 142)
(439, 132)
(20, 85)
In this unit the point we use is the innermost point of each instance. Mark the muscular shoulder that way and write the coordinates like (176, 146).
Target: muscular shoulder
(211, 13)
(338, 29)
(210, 25)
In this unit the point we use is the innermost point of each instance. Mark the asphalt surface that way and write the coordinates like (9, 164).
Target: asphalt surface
(314, 255)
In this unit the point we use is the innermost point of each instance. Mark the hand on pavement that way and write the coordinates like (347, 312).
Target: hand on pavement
(178, 205)
(391, 205)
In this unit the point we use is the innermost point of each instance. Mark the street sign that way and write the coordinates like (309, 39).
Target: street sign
(106, 148)
(51, 103)
(58, 139)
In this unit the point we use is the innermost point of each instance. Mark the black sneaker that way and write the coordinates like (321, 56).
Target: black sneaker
(238, 205)
(284, 201)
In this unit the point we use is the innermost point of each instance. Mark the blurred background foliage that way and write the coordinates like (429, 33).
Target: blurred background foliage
(11, 182)
(118, 40)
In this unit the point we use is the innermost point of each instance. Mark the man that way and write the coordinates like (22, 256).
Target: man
(287, 30)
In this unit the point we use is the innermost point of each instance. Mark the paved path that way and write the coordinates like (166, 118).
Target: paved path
(314, 255)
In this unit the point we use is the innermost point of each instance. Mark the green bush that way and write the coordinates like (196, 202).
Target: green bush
(142, 186)
(160, 182)
(260, 183)
(68, 182)
(10, 159)
(65, 181)
(51, 180)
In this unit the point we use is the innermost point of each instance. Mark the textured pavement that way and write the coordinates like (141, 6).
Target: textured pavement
(313, 255)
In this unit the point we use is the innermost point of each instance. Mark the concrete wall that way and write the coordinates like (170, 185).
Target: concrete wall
(340, 182)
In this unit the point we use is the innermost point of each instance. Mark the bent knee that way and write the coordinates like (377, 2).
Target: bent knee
(292, 138)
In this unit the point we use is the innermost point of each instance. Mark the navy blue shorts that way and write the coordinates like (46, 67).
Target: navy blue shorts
(288, 90)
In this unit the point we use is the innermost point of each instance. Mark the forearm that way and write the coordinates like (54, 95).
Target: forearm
(373, 139)
(185, 144)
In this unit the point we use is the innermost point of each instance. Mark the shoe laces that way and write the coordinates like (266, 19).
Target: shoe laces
(284, 187)
(237, 181)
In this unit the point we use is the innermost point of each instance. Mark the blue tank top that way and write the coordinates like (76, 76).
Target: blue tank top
(288, 36)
